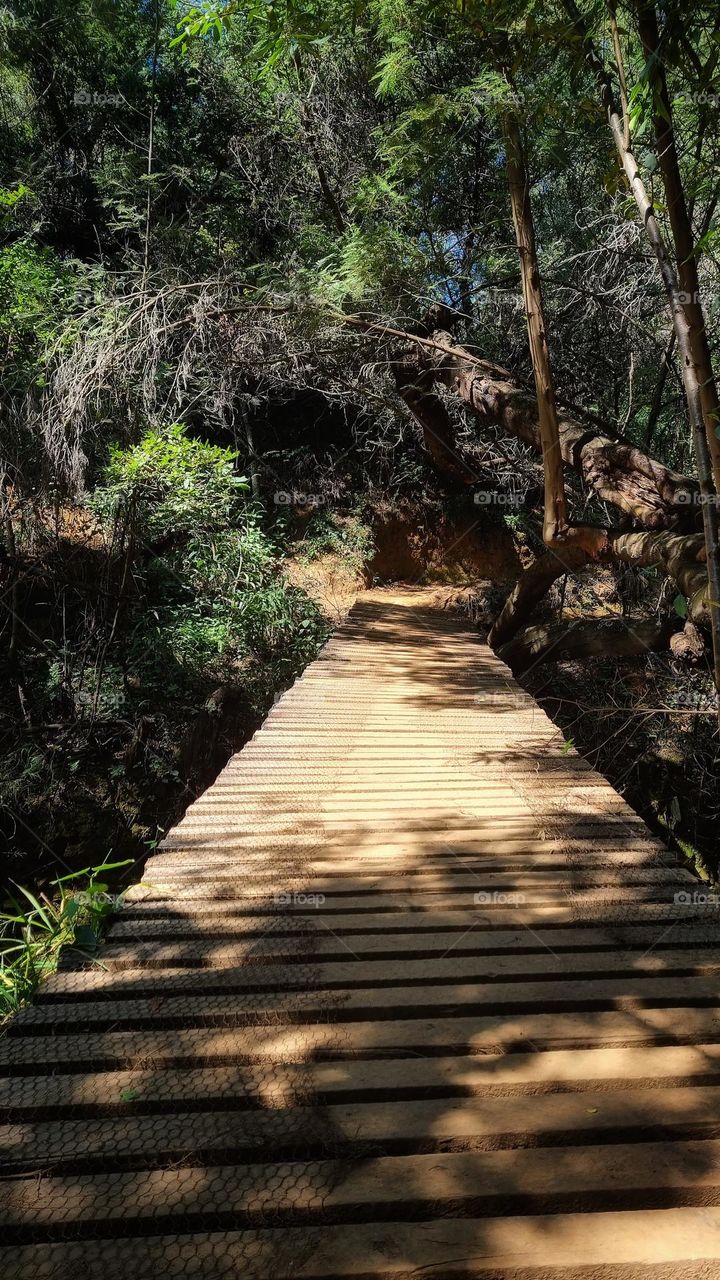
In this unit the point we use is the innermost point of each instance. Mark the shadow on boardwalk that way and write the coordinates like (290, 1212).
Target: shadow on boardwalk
(408, 991)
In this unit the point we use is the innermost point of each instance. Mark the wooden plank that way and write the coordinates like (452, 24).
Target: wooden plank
(502, 1002)
(659, 1069)
(358, 1128)
(470, 1183)
(222, 1033)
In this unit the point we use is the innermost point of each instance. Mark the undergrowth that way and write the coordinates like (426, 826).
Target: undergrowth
(329, 533)
(169, 628)
(35, 930)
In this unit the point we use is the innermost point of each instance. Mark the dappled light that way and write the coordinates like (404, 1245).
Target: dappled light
(409, 977)
(359, 640)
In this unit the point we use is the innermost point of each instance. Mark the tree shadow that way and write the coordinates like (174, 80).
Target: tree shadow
(406, 989)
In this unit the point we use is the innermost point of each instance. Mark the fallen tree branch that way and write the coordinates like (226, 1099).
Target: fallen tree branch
(617, 470)
(606, 637)
(678, 556)
(681, 558)
(530, 588)
(438, 433)
(614, 468)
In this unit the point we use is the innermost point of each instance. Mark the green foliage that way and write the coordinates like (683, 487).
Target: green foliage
(222, 613)
(214, 606)
(37, 293)
(345, 536)
(373, 260)
(282, 627)
(9, 200)
(35, 930)
(170, 483)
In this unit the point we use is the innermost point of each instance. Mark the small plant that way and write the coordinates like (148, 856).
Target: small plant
(33, 934)
(345, 536)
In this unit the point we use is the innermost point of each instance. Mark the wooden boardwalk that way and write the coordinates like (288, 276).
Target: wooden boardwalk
(408, 992)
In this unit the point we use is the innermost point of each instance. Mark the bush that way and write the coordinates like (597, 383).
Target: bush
(345, 536)
(36, 295)
(170, 484)
(213, 604)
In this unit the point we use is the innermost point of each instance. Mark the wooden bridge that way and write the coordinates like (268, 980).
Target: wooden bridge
(410, 991)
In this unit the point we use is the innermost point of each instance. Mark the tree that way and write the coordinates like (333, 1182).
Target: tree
(688, 344)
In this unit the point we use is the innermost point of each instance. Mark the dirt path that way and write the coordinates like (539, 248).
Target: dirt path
(408, 991)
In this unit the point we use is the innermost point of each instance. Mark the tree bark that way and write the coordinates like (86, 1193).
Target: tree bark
(606, 637)
(680, 324)
(682, 233)
(555, 523)
(415, 385)
(531, 587)
(615, 469)
(681, 558)
(678, 557)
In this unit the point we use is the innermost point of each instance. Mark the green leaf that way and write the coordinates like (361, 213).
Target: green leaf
(40, 909)
(85, 936)
(679, 604)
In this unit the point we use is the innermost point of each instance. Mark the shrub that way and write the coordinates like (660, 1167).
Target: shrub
(345, 536)
(170, 484)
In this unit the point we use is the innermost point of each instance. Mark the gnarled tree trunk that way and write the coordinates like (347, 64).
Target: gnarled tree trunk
(615, 469)
(681, 324)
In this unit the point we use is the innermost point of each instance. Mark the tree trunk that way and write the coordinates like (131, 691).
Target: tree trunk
(680, 323)
(681, 558)
(606, 637)
(615, 469)
(555, 523)
(678, 557)
(415, 386)
(531, 587)
(682, 233)
(659, 391)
